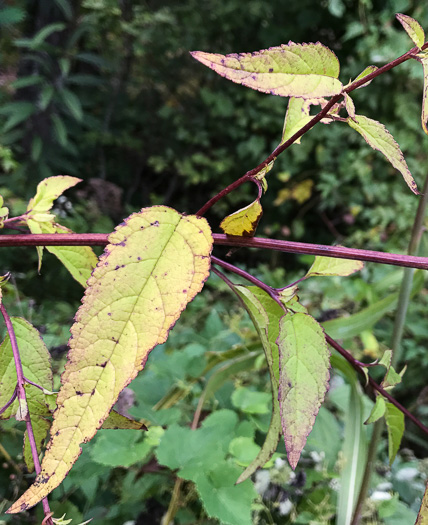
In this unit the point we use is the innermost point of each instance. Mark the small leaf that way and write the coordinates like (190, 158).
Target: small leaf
(244, 221)
(156, 262)
(367, 71)
(73, 103)
(118, 421)
(349, 105)
(391, 378)
(332, 266)
(304, 373)
(395, 425)
(290, 70)
(49, 190)
(378, 410)
(423, 512)
(412, 28)
(380, 139)
(296, 117)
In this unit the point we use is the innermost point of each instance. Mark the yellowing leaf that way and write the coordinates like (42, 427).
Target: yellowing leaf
(367, 71)
(301, 192)
(423, 512)
(304, 373)
(380, 139)
(412, 28)
(265, 314)
(395, 424)
(296, 117)
(424, 116)
(47, 191)
(156, 262)
(244, 221)
(290, 70)
(333, 266)
(349, 105)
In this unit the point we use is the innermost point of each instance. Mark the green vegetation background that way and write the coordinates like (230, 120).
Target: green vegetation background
(107, 91)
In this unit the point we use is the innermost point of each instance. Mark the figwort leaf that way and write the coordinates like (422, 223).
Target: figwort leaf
(156, 262)
(412, 28)
(244, 221)
(290, 70)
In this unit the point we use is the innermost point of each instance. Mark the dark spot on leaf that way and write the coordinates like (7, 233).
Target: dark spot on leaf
(289, 384)
(93, 392)
(79, 393)
(57, 433)
(117, 267)
(109, 313)
(156, 223)
(272, 92)
(138, 258)
(103, 365)
(24, 506)
(271, 70)
(184, 291)
(106, 263)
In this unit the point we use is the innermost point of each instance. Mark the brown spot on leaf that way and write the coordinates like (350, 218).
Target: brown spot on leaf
(79, 393)
(93, 392)
(103, 365)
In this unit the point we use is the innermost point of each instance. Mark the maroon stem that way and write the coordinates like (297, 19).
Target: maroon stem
(323, 113)
(11, 400)
(22, 398)
(101, 239)
(373, 383)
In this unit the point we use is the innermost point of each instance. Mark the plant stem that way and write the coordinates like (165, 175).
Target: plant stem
(23, 405)
(101, 239)
(397, 335)
(319, 116)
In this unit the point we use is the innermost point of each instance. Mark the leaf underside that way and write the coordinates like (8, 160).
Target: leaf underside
(156, 262)
(290, 70)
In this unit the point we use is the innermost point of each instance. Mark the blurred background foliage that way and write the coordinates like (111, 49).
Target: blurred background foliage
(106, 90)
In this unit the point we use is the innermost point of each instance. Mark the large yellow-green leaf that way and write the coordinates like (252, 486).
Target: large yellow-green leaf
(47, 191)
(304, 374)
(333, 266)
(290, 70)
(244, 221)
(380, 139)
(155, 263)
(265, 314)
(412, 28)
(423, 512)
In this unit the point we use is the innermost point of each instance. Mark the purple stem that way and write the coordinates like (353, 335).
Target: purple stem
(20, 390)
(101, 239)
(324, 111)
(32, 383)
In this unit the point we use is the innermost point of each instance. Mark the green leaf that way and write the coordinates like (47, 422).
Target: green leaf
(378, 410)
(18, 112)
(423, 512)
(304, 374)
(333, 266)
(79, 260)
(395, 424)
(60, 129)
(244, 450)
(118, 421)
(41, 428)
(265, 314)
(244, 221)
(156, 262)
(48, 191)
(296, 117)
(114, 448)
(349, 105)
(73, 103)
(380, 139)
(289, 70)
(412, 28)
(46, 95)
(354, 452)
(250, 401)
(222, 499)
(391, 378)
(11, 15)
(35, 360)
(367, 71)
(204, 447)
